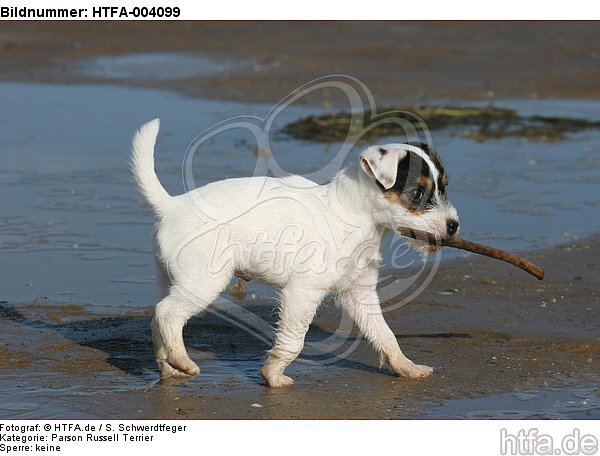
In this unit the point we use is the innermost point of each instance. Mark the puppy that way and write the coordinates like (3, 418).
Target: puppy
(308, 240)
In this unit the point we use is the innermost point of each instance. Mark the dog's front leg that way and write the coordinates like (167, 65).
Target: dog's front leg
(299, 305)
(362, 304)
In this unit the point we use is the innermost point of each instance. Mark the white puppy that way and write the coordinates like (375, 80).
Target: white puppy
(309, 240)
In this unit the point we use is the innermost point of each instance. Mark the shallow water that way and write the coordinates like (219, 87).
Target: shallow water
(73, 226)
(561, 403)
(162, 66)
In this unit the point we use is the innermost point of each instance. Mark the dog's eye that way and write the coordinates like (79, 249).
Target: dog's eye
(416, 195)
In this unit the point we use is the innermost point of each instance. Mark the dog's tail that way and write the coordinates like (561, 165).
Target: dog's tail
(142, 165)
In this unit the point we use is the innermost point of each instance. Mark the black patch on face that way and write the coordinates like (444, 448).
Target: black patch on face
(409, 170)
(382, 151)
(413, 174)
(437, 161)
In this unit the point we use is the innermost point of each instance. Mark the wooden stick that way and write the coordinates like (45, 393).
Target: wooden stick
(480, 249)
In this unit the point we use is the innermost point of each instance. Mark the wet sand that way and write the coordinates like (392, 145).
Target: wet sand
(486, 328)
(399, 61)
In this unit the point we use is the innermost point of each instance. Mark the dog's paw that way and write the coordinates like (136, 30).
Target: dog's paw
(280, 381)
(275, 380)
(179, 370)
(167, 371)
(415, 371)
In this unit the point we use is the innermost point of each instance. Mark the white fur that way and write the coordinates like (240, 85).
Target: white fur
(307, 239)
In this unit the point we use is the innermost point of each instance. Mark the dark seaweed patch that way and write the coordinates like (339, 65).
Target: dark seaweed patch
(477, 123)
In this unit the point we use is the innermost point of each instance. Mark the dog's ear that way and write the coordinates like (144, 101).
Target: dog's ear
(381, 163)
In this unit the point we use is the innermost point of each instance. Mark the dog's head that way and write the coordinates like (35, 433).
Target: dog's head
(412, 184)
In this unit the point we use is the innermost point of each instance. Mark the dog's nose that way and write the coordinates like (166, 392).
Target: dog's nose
(452, 226)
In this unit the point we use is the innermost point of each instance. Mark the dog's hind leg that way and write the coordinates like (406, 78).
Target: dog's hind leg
(171, 315)
(298, 307)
